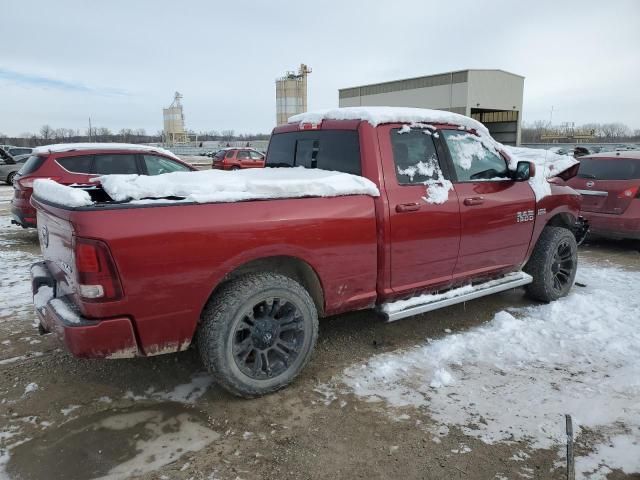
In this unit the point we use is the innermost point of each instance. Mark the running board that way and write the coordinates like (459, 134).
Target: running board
(425, 303)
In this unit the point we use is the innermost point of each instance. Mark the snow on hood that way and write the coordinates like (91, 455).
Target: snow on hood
(69, 147)
(378, 115)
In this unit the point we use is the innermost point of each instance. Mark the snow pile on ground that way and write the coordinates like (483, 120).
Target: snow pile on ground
(251, 184)
(70, 147)
(378, 115)
(515, 377)
(51, 191)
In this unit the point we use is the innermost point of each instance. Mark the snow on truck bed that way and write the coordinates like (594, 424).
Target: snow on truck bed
(215, 186)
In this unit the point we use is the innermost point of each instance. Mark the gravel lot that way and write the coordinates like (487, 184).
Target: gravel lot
(164, 417)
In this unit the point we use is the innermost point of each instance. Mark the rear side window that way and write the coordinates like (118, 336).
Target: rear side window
(79, 164)
(33, 163)
(609, 168)
(337, 150)
(115, 164)
(157, 165)
(415, 157)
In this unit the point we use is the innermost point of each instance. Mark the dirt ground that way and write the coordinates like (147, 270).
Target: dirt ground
(64, 418)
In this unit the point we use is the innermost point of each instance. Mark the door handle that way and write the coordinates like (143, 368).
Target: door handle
(474, 201)
(407, 207)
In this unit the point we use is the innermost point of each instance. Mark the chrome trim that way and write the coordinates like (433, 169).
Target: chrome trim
(593, 193)
(507, 283)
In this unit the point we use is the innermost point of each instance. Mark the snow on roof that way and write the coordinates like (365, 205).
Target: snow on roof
(378, 115)
(69, 147)
(207, 186)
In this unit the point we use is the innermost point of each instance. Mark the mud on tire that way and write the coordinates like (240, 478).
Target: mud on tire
(257, 333)
(552, 265)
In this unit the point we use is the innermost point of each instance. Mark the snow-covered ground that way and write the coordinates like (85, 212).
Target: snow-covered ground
(516, 377)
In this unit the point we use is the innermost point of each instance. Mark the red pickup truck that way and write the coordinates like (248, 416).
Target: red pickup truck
(455, 219)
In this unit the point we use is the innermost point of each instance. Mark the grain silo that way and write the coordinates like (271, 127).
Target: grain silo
(291, 94)
(174, 131)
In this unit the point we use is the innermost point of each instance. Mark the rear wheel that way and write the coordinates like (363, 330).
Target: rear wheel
(552, 265)
(257, 333)
(10, 178)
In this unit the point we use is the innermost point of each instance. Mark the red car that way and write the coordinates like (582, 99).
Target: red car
(233, 158)
(610, 187)
(128, 279)
(79, 163)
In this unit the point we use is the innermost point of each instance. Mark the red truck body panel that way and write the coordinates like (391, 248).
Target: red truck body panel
(171, 257)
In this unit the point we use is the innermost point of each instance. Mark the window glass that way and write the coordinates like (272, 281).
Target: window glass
(255, 155)
(414, 154)
(19, 151)
(472, 160)
(609, 168)
(32, 164)
(243, 155)
(219, 155)
(79, 164)
(337, 150)
(107, 164)
(230, 153)
(158, 165)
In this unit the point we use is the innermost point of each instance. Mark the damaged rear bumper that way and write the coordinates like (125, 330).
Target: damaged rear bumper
(83, 337)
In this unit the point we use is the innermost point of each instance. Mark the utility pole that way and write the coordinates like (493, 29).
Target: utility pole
(89, 129)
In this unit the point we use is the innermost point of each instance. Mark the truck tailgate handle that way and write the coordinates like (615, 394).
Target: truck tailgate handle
(407, 207)
(474, 201)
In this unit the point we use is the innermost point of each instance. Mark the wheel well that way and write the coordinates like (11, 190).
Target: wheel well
(292, 267)
(564, 219)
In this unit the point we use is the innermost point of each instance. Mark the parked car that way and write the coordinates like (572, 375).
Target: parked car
(15, 151)
(143, 279)
(609, 183)
(234, 158)
(9, 166)
(78, 163)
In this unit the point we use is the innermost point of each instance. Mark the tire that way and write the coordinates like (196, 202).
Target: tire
(552, 265)
(235, 167)
(10, 178)
(257, 333)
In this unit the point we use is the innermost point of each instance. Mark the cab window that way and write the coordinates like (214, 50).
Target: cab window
(472, 160)
(415, 157)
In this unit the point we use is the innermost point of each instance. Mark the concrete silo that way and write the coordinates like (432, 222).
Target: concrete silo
(174, 131)
(291, 94)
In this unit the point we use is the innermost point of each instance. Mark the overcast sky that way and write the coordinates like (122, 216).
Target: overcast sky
(121, 61)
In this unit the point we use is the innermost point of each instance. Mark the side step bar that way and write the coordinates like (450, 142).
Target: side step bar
(425, 303)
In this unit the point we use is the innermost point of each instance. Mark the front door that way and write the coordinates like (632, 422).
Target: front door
(497, 213)
(424, 213)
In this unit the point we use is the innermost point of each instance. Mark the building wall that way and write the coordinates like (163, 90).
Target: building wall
(442, 97)
(291, 98)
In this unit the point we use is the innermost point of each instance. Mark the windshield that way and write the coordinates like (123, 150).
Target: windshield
(609, 168)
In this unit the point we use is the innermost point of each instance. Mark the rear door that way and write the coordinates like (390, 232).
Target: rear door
(607, 185)
(116, 163)
(497, 214)
(424, 214)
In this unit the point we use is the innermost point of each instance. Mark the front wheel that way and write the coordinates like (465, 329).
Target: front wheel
(552, 265)
(257, 333)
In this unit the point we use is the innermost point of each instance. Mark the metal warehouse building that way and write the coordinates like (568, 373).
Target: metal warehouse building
(493, 97)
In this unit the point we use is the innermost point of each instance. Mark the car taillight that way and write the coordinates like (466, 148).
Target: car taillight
(630, 193)
(97, 276)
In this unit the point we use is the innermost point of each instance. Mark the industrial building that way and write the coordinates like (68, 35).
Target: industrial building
(174, 129)
(494, 97)
(291, 94)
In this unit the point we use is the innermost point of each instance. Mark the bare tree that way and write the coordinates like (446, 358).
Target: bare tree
(46, 132)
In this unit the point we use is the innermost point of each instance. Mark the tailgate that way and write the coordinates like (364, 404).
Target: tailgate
(606, 196)
(56, 233)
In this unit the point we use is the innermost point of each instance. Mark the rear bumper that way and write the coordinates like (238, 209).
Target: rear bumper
(85, 338)
(25, 217)
(609, 225)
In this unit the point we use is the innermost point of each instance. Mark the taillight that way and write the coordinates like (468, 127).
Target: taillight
(97, 276)
(630, 193)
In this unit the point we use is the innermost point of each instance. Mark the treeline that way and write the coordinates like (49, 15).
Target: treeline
(602, 132)
(47, 135)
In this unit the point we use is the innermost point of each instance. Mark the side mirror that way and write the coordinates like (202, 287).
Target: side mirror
(524, 171)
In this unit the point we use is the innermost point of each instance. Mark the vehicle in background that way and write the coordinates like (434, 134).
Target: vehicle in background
(142, 280)
(610, 187)
(9, 166)
(15, 151)
(235, 158)
(79, 163)
(579, 151)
